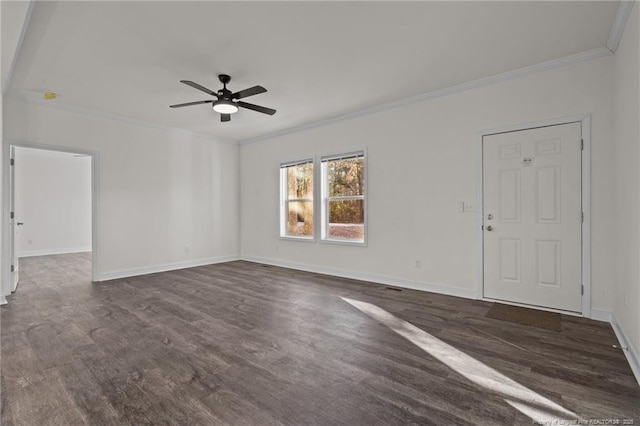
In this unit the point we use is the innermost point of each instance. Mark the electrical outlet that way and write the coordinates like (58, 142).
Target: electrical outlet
(418, 264)
(187, 249)
(30, 242)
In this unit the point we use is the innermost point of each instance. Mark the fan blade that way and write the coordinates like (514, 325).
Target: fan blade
(248, 92)
(258, 108)
(189, 103)
(197, 86)
(225, 117)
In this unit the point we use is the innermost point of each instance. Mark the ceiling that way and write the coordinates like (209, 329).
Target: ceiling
(317, 59)
(14, 14)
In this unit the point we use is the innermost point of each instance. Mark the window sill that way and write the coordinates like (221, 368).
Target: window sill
(344, 242)
(304, 239)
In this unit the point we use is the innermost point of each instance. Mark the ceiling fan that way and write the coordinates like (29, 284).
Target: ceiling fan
(227, 103)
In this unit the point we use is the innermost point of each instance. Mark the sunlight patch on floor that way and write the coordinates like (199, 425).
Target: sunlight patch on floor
(523, 399)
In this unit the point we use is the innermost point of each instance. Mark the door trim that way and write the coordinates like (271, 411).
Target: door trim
(585, 120)
(5, 274)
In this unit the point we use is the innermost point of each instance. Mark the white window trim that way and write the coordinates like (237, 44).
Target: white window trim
(284, 200)
(324, 199)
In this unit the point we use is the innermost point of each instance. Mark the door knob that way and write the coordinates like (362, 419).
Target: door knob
(20, 223)
(489, 228)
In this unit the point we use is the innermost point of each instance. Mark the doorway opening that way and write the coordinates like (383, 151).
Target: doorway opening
(51, 210)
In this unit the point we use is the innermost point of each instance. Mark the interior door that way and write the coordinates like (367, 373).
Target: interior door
(13, 222)
(532, 207)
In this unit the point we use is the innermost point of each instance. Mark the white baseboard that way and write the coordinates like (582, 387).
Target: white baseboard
(629, 350)
(378, 279)
(49, 252)
(144, 270)
(600, 315)
(596, 314)
(3, 300)
(625, 343)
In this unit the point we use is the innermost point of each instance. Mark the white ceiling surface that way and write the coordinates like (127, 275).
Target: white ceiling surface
(317, 59)
(14, 14)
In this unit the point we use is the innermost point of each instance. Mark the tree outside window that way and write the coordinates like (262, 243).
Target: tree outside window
(344, 198)
(296, 182)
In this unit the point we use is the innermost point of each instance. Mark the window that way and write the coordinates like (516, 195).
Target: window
(296, 195)
(343, 198)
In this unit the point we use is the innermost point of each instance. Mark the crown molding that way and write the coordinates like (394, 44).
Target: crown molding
(87, 112)
(475, 84)
(619, 24)
(624, 11)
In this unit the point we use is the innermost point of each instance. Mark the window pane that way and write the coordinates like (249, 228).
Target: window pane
(346, 219)
(300, 181)
(300, 218)
(345, 177)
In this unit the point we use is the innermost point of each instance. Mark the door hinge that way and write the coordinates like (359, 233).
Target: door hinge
(582, 216)
(11, 215)
(12, 162)
(582, 144)
(582, 290)
(13, 268)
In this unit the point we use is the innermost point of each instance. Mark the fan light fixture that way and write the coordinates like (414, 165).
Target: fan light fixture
(226, 102)
(225, 107)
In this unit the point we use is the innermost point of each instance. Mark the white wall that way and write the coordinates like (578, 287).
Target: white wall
(14, 18)
(53, 200)
(627, 208)
(4, 286)
(424, 157)
(165, 198)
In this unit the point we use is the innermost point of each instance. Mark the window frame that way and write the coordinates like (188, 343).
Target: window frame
(285, 200)
(324, 198)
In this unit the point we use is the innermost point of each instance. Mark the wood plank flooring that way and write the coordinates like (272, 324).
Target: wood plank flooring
(248, 344)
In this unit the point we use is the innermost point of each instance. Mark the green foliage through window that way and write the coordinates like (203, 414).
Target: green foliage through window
(345, 201)
(342, 198)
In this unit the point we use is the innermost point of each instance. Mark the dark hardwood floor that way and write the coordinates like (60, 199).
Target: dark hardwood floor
(243, 343)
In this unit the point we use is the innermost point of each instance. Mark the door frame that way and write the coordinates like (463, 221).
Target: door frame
(5, 274)
(14, 273)
(585, 120)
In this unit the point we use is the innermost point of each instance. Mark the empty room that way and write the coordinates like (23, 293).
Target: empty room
(320, 212)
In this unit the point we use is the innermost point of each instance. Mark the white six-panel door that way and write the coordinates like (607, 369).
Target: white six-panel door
(532, 224)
